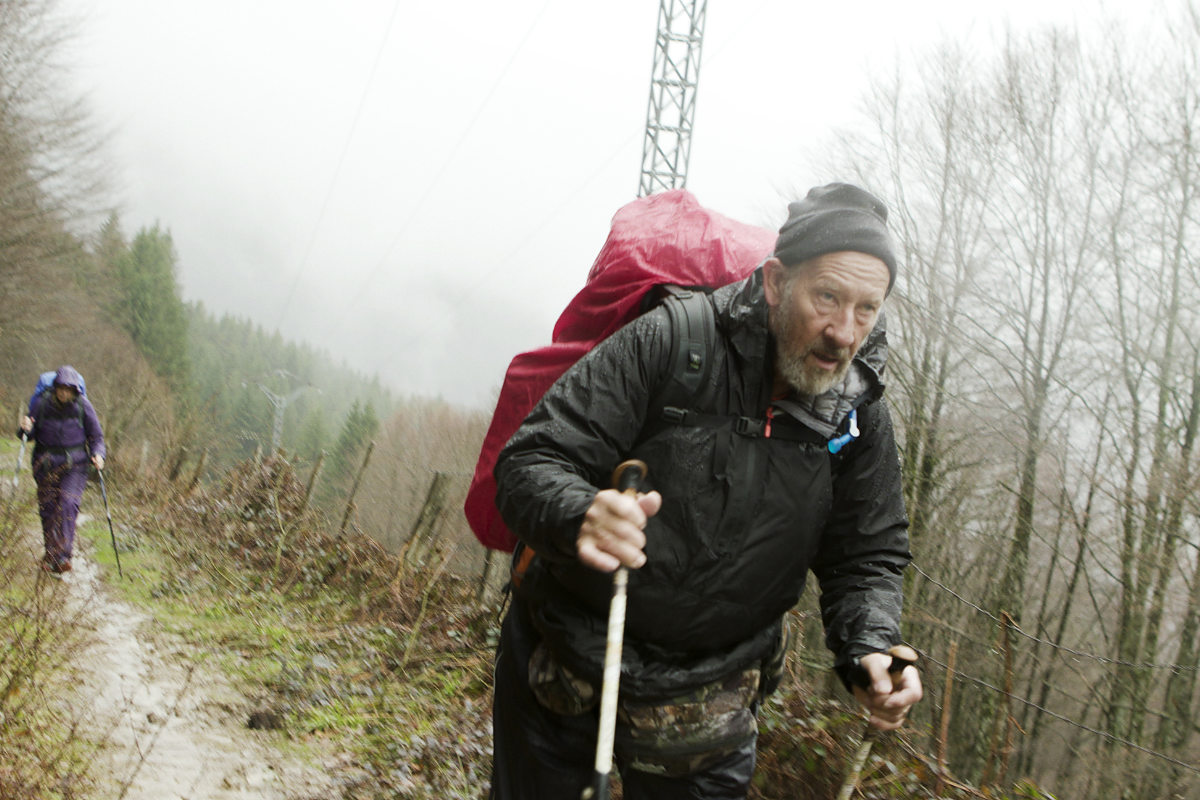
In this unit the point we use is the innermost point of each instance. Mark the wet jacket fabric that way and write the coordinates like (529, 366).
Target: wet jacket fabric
(745, 515)
(73, 427)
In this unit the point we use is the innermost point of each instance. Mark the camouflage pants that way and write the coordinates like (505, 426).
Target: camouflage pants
(545, 719)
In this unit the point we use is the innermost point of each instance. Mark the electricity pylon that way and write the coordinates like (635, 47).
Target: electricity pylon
(672, 107)
(281, 402)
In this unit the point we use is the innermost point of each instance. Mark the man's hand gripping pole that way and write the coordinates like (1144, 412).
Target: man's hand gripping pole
(903, 656)
(625, 479)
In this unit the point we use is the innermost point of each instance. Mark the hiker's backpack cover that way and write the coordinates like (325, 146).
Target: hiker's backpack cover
(663, 239)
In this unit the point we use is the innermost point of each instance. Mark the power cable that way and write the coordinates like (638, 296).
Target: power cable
(500, 263)
(419, 204)
(362, 102)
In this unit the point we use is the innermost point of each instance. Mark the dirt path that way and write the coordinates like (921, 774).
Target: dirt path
(173, 731)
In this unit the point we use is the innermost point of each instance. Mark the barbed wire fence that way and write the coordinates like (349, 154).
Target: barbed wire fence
(947, 672)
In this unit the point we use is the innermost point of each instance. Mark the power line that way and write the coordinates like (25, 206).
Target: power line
(419, 204)
(503, 262)
(362, 102)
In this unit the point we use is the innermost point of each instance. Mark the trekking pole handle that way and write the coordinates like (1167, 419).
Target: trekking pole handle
(628, 475)
(625, 479)
(902, 656)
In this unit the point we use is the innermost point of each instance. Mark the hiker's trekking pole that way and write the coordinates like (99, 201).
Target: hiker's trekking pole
(625, 479)
(112, 535)
(20, 458)
(902, 656)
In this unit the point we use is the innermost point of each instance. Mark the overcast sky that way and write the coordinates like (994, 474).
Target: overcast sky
(420, 187)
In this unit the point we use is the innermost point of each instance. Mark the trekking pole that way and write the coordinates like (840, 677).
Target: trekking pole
(112, 535)
(625, 479)
(20, 458)
(902, 656)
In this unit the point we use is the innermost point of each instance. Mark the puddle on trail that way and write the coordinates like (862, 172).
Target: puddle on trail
(172, 731)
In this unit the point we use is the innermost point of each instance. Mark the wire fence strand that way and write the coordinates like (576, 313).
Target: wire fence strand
(1061, 718)
(1056, 645)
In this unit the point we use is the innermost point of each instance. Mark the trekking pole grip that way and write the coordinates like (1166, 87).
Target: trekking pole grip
(628, 475)
(902, 656)
(625, 479)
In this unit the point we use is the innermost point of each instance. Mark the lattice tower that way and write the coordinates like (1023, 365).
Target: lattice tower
(672, 107)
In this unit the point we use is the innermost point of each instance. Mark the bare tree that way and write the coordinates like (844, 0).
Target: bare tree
(1042, 380)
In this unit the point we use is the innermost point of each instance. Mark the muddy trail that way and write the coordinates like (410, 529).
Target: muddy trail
(172, 727)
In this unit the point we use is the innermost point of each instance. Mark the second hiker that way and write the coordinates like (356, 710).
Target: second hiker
(66, 434)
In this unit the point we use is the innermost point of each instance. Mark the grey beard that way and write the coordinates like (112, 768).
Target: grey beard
(802, 378)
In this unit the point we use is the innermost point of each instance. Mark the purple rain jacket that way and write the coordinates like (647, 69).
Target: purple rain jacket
(66, 428)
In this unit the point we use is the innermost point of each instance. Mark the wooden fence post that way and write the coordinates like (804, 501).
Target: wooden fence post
(198, 471)
(354, 489)
(312, 481)
(481, 592)
(423, 529)
(944, 729)
(177, 460)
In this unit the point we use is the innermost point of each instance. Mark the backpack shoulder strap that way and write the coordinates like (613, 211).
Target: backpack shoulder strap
(693, 338)
(40, 402)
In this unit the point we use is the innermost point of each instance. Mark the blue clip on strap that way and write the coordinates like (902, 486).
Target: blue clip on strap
(838, 442)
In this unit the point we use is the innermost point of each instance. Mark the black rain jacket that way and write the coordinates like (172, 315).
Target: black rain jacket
(744, 516)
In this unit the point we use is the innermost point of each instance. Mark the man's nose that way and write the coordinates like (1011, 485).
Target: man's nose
(840, 329)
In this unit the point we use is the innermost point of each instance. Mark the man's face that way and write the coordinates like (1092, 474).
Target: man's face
(64, 394)
(820, 313)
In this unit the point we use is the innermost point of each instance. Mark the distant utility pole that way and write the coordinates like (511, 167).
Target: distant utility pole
(280, 402)
(672, 108)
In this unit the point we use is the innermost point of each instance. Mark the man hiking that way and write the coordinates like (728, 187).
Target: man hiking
(66, 431)
(748, 496)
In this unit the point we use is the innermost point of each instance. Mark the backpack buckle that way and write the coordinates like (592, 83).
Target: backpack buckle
(745, 426)
(674, 415)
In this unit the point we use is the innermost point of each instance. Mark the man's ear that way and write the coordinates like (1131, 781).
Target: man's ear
(774, 278)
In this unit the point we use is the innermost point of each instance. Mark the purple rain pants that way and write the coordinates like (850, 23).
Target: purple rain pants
(60, 479)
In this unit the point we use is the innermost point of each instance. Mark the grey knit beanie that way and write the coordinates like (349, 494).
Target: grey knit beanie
(832, 218)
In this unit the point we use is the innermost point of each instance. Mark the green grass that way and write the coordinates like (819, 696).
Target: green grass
(44, 758)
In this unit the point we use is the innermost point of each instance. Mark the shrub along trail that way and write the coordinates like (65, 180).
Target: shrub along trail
(172, 727)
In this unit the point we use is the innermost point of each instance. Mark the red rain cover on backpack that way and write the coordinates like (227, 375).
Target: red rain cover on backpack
(667, 238)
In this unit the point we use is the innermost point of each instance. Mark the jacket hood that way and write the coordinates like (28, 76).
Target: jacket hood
(69, 376)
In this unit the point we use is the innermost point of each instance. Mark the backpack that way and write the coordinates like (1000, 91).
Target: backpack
(46, 382)
(658, 251)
